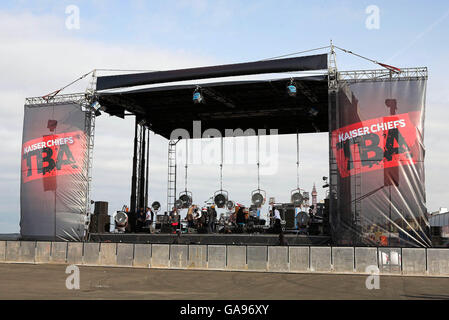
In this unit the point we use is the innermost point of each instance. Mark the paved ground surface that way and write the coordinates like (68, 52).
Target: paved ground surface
(23, 281)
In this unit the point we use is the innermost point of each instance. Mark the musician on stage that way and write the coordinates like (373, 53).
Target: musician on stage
(277, 221)
(190, 217)
(149, 219)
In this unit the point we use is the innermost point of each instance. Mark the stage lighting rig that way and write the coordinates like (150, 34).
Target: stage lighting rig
(291, 88)
(198, 96)
(95, 106)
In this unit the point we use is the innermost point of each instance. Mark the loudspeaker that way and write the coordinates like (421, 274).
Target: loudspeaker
(289, 217)
(99, 223)
(101, 208)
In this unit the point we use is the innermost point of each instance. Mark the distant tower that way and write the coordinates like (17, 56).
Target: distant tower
(314, 198)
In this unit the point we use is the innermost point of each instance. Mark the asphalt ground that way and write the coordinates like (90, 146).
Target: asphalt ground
(27, 281)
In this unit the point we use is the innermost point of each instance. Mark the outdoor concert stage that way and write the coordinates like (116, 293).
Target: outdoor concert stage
(374, 120)
(212, 239)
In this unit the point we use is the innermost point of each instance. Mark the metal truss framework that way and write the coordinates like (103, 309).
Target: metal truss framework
(383, 74)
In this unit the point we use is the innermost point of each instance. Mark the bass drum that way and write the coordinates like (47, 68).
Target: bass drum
(302, 219)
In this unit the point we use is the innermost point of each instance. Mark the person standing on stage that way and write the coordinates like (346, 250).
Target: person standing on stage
(149, 219)
(212, 216)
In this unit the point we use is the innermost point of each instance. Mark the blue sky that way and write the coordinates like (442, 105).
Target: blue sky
(39, 54)
(248, 30)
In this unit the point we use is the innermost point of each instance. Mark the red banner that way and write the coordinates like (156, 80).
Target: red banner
(53, 155)
(376, 144)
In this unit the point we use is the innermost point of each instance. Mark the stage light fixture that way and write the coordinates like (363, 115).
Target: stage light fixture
(96, 107)
(291, 89)
(197, 96)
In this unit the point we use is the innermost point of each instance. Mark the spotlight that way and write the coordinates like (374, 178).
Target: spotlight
(197, 96)
(96, 107)
(291, 89)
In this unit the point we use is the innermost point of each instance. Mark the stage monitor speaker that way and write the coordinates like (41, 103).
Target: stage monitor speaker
(101, 208)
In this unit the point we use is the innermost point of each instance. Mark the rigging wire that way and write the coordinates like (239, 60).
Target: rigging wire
(386, 66)
(294, 53)
(51, 95)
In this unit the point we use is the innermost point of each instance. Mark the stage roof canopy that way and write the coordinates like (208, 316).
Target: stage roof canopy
(251, 104)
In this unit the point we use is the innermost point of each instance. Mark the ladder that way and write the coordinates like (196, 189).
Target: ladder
(171, 185)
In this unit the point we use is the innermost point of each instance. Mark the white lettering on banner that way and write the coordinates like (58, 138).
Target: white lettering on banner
(48, 144)
(343, 136)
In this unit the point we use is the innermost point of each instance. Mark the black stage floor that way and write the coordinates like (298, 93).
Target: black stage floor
(217, 239)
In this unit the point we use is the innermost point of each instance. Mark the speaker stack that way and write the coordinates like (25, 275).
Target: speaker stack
(289, 217)
(100, 221)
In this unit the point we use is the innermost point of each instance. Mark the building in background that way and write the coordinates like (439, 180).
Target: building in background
(439, 220)
(314, 198)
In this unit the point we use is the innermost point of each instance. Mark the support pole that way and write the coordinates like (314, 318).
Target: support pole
(142, 168)
(148, 168)
(133, 200)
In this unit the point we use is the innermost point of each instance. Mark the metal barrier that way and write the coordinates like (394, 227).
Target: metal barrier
(391, 261)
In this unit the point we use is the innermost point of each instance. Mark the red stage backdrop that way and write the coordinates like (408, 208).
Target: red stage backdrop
(54, 182)
(377, 141)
